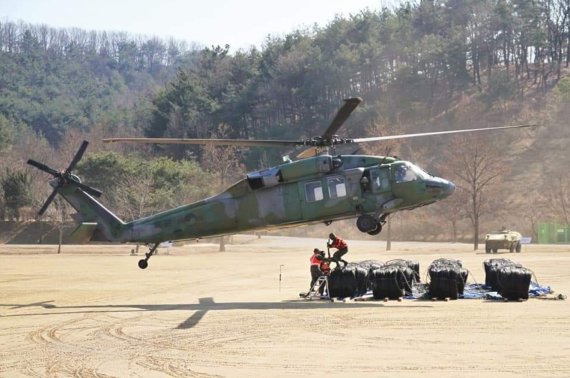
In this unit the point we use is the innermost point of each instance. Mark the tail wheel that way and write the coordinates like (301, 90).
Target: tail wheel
(143, 263)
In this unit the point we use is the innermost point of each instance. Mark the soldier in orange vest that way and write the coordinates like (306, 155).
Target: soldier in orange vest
(316, 261)
(325, 266)
(341, 247)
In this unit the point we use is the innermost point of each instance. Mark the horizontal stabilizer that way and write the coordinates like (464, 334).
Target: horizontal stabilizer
(83, 233)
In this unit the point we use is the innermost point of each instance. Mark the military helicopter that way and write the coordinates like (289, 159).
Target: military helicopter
(320, 187)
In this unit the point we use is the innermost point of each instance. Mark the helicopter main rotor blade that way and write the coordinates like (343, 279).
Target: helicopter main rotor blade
(341, 116)
(404, 136)
(215, 142)
(325, 140)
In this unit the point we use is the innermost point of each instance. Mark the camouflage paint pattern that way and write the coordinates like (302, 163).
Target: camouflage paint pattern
(318, 189)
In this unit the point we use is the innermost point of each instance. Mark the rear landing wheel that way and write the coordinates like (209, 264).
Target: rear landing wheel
(144, 262)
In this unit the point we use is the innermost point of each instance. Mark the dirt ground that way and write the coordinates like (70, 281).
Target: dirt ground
(195, 312)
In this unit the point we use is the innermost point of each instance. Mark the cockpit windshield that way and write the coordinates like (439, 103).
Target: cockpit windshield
(407, 172)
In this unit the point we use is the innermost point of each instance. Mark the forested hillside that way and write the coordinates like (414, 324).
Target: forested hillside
(425, 65)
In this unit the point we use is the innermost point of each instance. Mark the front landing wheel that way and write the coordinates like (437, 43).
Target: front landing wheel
(366, 223)
(143, 264)
(376, 231)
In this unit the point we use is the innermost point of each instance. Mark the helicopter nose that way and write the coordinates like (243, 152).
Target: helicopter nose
(449, 188)
(439, 188)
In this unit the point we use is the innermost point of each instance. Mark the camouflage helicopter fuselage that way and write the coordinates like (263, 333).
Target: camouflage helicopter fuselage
(322, 188)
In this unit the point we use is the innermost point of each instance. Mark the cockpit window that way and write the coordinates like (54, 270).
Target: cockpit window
(404, 173)
(407, 172)
(420, 172)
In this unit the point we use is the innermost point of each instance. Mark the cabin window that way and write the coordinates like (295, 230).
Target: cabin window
(380, 179)
(337, 187)
(314, 191)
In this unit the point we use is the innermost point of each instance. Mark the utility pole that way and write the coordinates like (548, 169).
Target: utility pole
(389, 236)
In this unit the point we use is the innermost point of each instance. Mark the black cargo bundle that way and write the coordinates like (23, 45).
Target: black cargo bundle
(361, 275)
(370, 265)
(391, 281)
(514, 282)
(511, 280)
(413, 265)
(447, 278)
(492, 268)
(348, 282)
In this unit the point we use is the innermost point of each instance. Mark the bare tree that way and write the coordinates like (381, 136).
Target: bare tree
(559, 199)
(533, 212)
(61, 214)
(222, 161)
(475, 164)
(453, 209)
(134, 196)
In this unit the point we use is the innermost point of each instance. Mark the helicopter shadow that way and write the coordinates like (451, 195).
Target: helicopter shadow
(200, 309)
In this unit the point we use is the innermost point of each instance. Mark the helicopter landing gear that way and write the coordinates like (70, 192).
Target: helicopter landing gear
(376, 230)
(366, 223)
(143, 263)
(370, 225)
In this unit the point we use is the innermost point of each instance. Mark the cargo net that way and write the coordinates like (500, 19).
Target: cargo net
(509, 280)
(394, 279)
(504, 280)
(446, 279)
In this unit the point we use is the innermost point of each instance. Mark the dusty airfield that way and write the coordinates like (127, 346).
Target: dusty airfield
(91, 312)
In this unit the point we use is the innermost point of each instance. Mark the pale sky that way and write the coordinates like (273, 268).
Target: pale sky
(240, 23)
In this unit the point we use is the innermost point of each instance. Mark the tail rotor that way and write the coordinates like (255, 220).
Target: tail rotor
(64, 177)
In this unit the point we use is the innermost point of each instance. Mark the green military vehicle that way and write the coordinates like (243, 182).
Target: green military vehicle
(503, 239)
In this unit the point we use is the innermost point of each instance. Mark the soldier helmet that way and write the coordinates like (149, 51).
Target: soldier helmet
(316, 250)
(332, 236)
